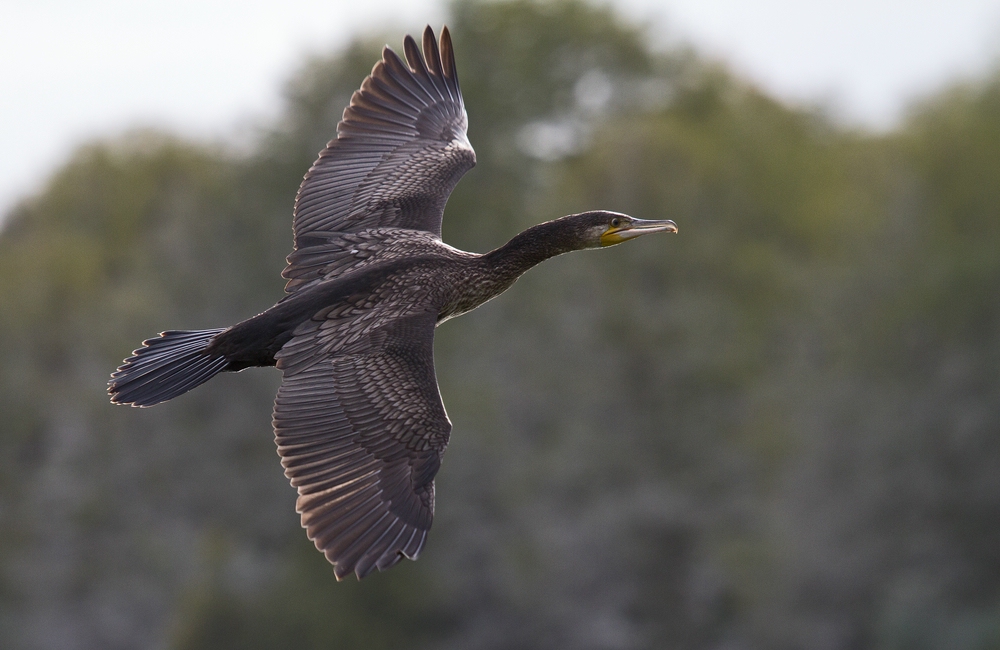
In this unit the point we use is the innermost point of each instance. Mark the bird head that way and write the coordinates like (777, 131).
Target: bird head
(602, 228)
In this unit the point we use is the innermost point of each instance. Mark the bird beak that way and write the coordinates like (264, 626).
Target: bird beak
(635, 228)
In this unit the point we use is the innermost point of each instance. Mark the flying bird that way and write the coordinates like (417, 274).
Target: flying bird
(358, 419)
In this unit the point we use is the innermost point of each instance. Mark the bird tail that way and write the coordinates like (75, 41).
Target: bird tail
(166, 366)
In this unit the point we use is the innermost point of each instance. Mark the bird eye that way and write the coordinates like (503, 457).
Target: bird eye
(615, 222)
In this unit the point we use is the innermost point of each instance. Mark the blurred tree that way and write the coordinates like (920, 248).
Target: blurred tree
(777, 430)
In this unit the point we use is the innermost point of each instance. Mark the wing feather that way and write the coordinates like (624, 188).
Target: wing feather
(400, 149)
(361, 436)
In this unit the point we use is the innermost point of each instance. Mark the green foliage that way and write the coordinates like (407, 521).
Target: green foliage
(953, 144)
(776, 429)
(520, 62)
(306, 609)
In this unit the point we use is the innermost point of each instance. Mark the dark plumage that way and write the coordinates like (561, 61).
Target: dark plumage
(358, 419)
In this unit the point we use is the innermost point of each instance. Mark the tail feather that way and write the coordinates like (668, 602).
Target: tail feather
(165, 367)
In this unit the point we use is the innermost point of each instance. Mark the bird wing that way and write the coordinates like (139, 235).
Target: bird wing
(400, 149)
(360, 433)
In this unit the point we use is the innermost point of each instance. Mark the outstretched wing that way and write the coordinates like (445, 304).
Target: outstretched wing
(401, 148)
(361, 434)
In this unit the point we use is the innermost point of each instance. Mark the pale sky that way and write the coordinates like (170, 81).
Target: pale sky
(74, 70)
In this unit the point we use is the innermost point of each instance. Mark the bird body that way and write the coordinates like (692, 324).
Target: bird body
(396, 274)
(358, 418)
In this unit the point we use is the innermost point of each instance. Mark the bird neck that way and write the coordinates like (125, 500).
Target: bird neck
(493, 273)
(531, 247)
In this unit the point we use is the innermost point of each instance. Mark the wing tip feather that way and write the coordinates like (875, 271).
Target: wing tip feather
(414, 60)
(448, 57)
(432, 56)
(379, 554)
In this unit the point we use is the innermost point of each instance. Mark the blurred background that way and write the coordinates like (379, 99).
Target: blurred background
(778, 429)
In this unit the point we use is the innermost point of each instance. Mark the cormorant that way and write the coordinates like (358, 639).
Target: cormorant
(358, 419)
